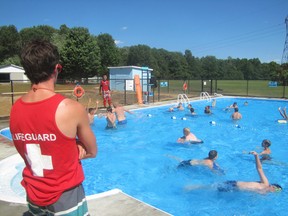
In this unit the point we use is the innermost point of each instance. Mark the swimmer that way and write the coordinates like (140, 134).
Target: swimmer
(191, 109)
(283, 113)
(236, 115)
(180, 106)
(265, 154)
(208, 162)
(232, 106)
(188, 137)
(207, 110)
(92, 111)
(110, 118)
(263, 186)
(120, 111)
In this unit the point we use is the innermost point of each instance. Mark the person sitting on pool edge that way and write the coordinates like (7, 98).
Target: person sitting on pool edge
(188, 137)
(236, 115)
(208, 161)
(263, 186)
(283, 113)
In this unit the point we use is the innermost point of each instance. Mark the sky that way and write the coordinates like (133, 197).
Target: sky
(221, 28)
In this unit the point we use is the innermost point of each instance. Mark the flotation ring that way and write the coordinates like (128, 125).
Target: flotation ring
(185, 86)
(78, 91)
(282, 121)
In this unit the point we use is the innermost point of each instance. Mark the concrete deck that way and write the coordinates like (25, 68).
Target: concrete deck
(116, 203)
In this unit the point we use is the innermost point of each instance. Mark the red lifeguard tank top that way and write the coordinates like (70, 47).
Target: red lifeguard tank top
(51, 158)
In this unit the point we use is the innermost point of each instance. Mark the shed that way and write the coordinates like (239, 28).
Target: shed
(12, 72)
(122, 78)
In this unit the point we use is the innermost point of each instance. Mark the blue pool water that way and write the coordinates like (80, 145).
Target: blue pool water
(138, 158)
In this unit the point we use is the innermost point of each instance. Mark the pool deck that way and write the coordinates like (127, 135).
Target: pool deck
(115, 203)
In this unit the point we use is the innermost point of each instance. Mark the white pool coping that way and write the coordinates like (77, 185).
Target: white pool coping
(8, 171)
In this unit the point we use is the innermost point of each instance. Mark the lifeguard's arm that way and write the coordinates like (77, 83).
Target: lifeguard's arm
(260, 171)
(86, 135)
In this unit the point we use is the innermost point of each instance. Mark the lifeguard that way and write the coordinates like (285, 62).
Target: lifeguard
(104, 90)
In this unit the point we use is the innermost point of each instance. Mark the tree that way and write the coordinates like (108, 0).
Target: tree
(80, 54)
(109, 53)
(42, 32)
(9, 42)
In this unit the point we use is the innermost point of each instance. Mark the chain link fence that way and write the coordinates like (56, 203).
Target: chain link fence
(123, 91)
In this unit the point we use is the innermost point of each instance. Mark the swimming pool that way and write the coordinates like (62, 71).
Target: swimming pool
(138, 158)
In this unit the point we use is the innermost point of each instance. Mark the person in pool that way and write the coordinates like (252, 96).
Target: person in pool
(110, 118)
(265, 154)
(208, 162)
(188, 137)
(207, 110)
(119, 110)
(236, 115)
(263, 186)
(191, 109)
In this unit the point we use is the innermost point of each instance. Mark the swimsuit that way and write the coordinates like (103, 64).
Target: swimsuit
(122, 122)
(228, 186)
(184, 163)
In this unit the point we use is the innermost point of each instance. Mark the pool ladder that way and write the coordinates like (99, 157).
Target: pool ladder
(182, 98)
(205, 95)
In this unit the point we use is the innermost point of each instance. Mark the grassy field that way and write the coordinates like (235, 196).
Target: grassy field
(253, 88)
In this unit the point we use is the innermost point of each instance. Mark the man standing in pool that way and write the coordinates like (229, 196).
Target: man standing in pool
(119, 110)
(44, 126)
(262, 186)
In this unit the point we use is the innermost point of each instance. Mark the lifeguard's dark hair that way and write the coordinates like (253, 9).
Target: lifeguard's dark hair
(39, 58)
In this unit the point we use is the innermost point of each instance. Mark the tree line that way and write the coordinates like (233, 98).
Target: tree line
(84, 55)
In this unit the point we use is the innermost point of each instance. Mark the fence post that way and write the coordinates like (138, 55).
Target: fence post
(159, 90)
(12, 91)
(125, 92)
(247, 88)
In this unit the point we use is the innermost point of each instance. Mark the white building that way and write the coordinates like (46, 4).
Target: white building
(12, 72)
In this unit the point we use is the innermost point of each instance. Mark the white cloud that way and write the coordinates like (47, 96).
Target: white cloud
(117, 42)
(124, 28)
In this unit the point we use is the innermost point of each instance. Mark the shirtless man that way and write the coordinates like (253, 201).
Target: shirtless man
(236, 115)
(120, 113)
(110, 118)
(188, 137)
(92, 111)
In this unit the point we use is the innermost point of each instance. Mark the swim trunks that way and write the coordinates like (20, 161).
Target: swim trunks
(227, 186)
(70, 203)
(184, 163)
(122, 122)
